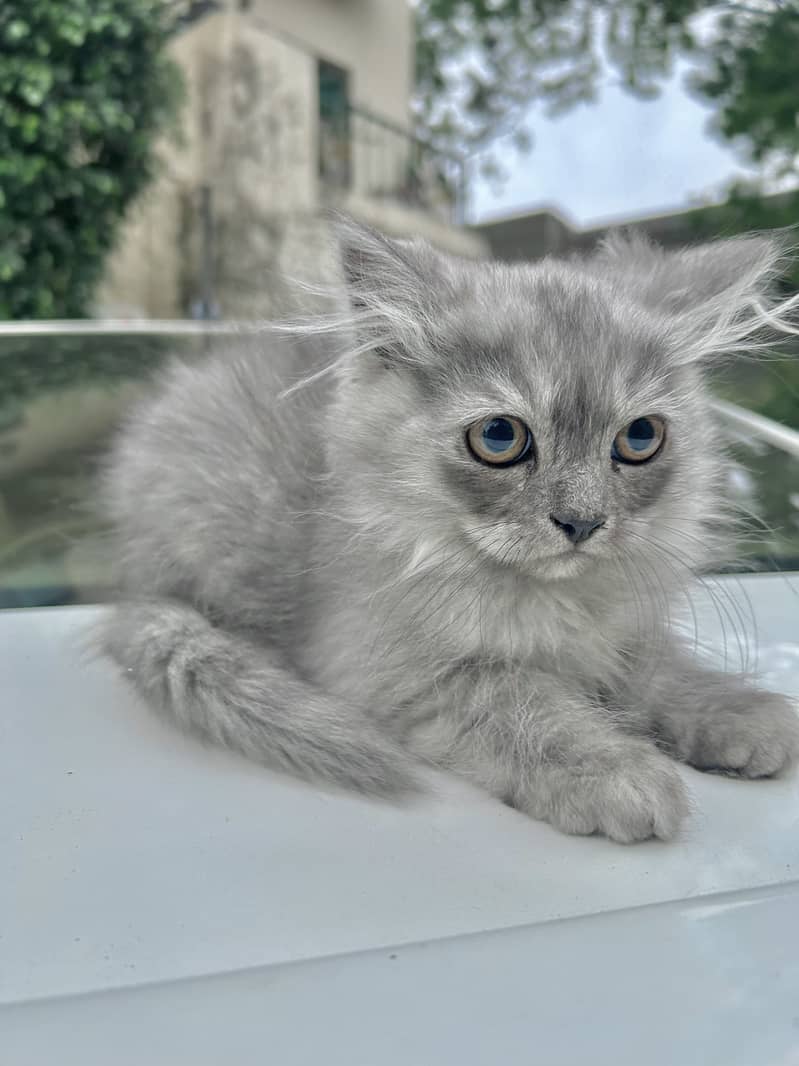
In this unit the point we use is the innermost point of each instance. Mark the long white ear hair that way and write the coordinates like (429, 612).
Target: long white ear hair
(720, 298)
(396, 290)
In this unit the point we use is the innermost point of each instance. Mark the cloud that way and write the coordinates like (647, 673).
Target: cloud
(617, 158)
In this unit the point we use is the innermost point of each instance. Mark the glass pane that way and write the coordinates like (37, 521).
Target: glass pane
(62, 396)
(765, 482)
(768, 385)
(60, 399)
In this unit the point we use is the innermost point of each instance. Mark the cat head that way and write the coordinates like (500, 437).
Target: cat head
(552, 415)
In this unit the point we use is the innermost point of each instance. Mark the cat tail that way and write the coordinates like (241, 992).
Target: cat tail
(242, 695)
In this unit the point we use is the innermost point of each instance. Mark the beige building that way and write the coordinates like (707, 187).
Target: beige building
(292, 106)
(547, 231)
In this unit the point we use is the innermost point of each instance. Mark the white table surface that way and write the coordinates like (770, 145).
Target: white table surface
(191, 882)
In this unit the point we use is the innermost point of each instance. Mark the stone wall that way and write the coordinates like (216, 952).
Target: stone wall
(373, 39)
(235, 216)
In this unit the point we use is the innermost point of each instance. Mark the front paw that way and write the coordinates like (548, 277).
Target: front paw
(629, 795)
(760, 739)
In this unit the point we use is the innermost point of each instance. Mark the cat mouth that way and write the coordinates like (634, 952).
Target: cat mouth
(569, 562)
(564, 564)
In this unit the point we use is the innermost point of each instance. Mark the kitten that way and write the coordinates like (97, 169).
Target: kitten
(461, 547)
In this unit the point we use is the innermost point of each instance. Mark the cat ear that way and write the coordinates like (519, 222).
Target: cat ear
(720, 297)
(394, 289)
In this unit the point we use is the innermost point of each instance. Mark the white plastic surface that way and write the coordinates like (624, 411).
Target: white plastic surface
(677, 984)
(131, 855)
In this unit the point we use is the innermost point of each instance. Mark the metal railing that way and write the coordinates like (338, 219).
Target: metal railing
(764, 429)
(93, 327)
(367, 155)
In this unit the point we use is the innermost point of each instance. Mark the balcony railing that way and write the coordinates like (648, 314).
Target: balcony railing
(368, 156)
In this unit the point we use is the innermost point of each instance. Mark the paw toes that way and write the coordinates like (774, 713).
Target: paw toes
(650, 803)
(669, 817)
(763, 742)
(630, 830)
(736, 756)
(767, 761)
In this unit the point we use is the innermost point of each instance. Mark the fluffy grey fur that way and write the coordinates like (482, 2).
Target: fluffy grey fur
(317, 573)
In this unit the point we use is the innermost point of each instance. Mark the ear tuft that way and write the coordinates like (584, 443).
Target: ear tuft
(364, 252)
(392, 287)
(721, 296)
(689, 277)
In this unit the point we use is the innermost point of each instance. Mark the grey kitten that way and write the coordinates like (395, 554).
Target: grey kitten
(462, 545)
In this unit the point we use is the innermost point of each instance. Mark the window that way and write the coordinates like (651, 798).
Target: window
(335, 162)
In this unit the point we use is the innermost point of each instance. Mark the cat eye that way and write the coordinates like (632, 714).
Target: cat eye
(639, 441)
(500, 440)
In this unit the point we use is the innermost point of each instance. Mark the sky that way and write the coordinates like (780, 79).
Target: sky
(618, 158)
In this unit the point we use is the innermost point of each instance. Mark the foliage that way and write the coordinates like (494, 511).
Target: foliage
(33, 366)
(481, 63)
(85, 86)
(752, 77)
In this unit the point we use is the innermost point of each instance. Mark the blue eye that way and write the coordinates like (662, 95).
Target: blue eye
(639, 441)
(499, 441)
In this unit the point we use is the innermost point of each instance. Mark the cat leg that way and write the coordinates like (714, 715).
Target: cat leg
(711, 719)
(547, 750)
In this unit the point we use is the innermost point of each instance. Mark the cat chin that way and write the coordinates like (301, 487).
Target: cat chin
(562, 567)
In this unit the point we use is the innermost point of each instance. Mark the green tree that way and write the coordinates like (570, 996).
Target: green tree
(481, 63)
(751, 74)
(85, 87)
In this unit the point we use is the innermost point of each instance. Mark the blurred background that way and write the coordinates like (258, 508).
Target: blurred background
(166, 166)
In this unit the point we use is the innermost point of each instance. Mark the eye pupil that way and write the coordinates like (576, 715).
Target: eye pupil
(640, 434)
(499, 435)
